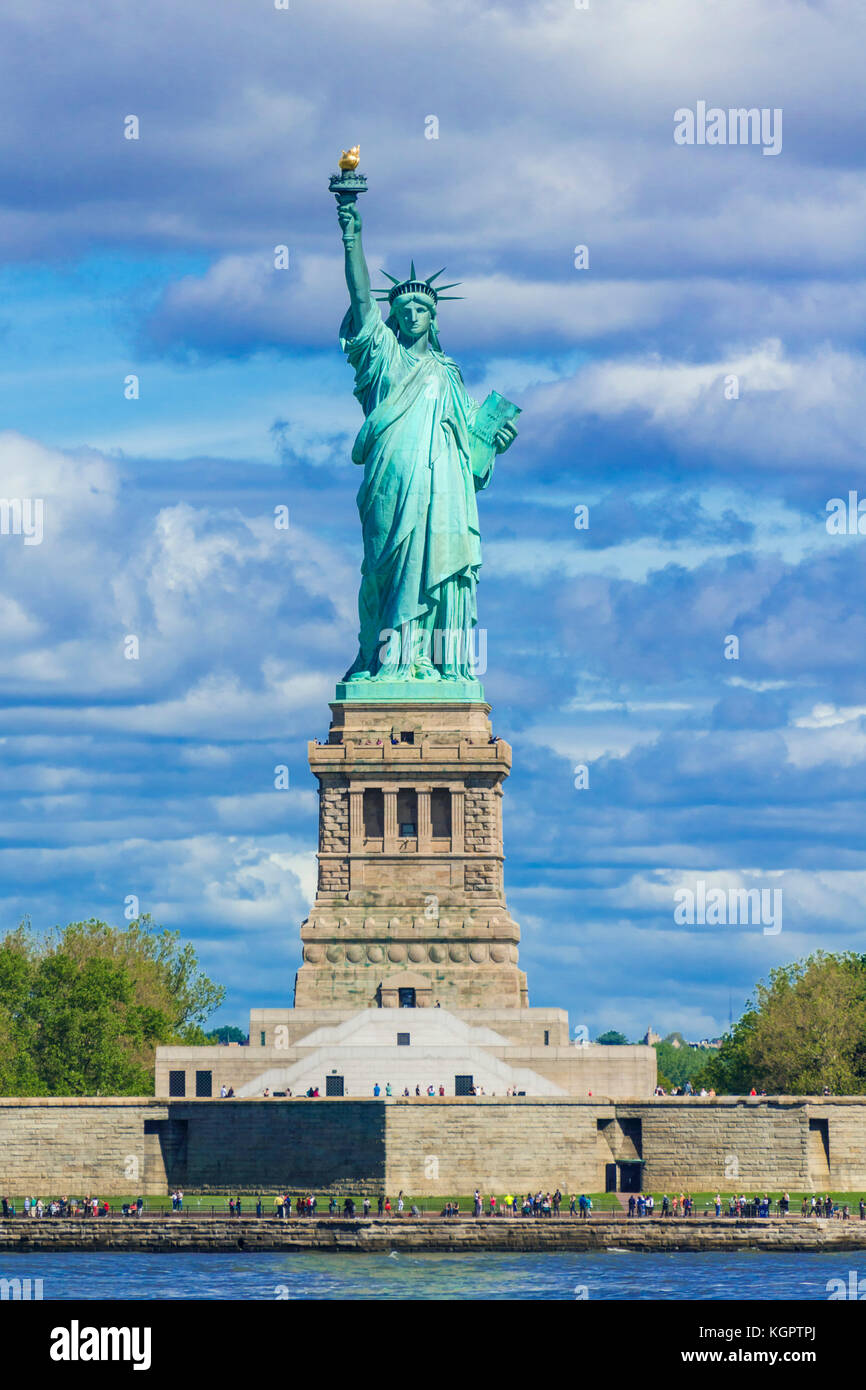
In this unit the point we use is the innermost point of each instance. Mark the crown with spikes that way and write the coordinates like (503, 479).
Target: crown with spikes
(415, 286)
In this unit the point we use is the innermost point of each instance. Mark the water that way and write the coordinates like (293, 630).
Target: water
(310, 1275)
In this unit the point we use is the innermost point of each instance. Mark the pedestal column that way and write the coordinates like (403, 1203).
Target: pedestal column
(457, 822)
(390, 845)
(356, 821)
(425, 825)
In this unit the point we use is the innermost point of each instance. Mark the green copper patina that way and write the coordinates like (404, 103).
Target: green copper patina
(426, 451)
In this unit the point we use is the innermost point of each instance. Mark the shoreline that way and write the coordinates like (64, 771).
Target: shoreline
(167, 1234)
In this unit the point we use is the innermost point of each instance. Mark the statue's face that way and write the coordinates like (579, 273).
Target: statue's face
(414, 315)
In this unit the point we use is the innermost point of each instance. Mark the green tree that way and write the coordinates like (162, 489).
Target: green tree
(227, 1034)
(804, 1029)
(612, 1038)
(18, 1072)
(83, 1008)
(679, 1064)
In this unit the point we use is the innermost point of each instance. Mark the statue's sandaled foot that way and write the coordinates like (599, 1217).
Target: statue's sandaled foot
(426, 673)
(356, 676)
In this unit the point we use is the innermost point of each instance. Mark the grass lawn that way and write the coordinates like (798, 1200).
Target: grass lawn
(601, 1201)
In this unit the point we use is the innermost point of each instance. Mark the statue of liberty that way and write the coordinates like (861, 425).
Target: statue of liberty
(426, 448)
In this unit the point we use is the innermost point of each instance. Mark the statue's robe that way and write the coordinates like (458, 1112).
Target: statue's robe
(419, 516)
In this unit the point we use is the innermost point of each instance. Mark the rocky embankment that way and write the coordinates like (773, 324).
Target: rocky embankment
(185, 1233)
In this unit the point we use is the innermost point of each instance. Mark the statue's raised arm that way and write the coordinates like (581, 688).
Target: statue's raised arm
(357, 274)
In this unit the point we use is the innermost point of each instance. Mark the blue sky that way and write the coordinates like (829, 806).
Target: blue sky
(154, 777)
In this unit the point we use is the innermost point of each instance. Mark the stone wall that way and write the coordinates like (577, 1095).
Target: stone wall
(481, 833)
(481, 878)
(120, 1147)
(846, 1141)
(334, 818)
(512, 1146)
(506, 1234)
(732, 1142)
(320, 1145)
(77, 1147)
(333, 835)
(437, 1147)
(744, 1143)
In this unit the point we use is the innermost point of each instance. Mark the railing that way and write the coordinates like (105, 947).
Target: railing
(359, 751)
(264, 1209)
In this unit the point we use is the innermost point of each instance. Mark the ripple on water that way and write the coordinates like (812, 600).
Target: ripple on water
(631, 1276)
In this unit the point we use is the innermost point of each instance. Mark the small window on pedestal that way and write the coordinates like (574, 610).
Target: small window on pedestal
(407, 812)
(440, 813)
(374, 813)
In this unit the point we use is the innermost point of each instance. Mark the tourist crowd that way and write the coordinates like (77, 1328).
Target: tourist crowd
(643, 1204)
(65, 1206)
(538, 1204)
